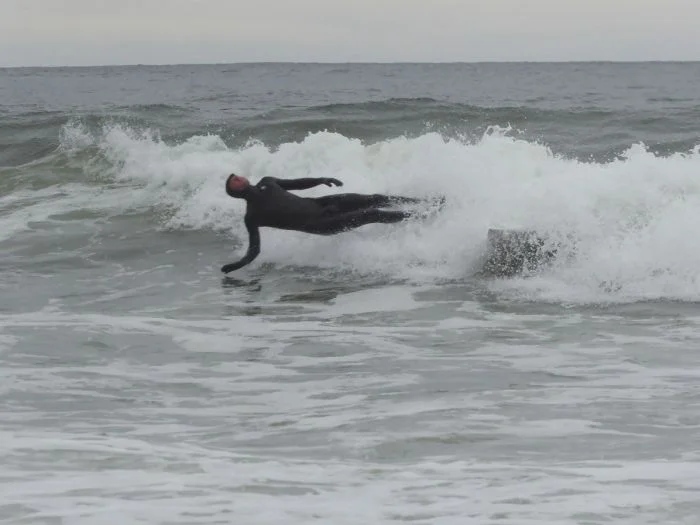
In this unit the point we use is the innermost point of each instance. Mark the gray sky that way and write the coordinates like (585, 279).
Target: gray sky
(88, 32)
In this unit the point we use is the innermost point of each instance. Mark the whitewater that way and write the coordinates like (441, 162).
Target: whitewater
(624, 228)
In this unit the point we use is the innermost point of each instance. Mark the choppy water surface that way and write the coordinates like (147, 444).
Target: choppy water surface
(370, 377)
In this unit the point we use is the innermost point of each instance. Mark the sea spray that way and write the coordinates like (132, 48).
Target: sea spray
(633, 219)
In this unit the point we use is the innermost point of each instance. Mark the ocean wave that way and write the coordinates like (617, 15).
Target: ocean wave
(633, 218)
(410, 108)
(158, 110)
(583, 131)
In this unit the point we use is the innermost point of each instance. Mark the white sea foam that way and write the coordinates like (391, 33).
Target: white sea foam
(200, 433)
(627, 226)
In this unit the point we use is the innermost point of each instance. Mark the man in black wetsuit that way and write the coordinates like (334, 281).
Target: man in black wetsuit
(269, 203)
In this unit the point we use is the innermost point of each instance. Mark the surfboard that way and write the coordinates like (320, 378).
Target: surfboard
(513, 252)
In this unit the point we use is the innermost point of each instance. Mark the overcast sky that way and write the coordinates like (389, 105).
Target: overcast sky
(89, 32)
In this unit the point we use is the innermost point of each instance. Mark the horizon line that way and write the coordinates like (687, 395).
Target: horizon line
(354, 62)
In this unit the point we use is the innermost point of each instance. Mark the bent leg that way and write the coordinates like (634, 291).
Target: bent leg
(349, 202)
(349, 221)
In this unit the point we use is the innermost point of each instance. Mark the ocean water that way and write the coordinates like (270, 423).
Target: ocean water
(369, 377)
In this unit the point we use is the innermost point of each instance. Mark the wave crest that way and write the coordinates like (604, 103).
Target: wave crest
(633, 218)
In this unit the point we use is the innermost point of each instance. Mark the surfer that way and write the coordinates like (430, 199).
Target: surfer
(270, 203)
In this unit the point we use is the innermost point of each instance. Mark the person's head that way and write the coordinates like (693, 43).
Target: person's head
(237, 186)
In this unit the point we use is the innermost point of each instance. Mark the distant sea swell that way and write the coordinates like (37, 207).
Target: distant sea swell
(586, 132)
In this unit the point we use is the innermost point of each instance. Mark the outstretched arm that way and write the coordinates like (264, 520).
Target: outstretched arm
(253, 249)
(303, 184)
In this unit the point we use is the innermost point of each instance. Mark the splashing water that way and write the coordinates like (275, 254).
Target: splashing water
(626, 227)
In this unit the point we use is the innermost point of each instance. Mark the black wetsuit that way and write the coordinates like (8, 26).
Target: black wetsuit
(269, 203)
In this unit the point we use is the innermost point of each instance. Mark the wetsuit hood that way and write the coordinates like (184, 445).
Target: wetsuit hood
(237, 186)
